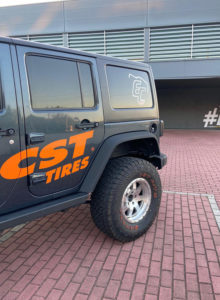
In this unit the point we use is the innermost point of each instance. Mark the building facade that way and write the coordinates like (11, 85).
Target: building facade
(180, 39)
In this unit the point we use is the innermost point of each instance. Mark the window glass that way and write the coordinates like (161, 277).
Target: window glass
(128, 88)
(86, 84)
(54, 83)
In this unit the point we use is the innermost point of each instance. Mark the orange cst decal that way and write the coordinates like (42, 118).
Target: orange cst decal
(50, 156)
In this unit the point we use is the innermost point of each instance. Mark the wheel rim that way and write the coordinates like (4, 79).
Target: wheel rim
(136, 200)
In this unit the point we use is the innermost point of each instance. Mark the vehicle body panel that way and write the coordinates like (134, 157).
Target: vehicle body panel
(9, 144)
(58, 125)
(25, 196)
(130, 114)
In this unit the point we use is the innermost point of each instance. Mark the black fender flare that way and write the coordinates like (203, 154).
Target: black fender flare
(104, 153)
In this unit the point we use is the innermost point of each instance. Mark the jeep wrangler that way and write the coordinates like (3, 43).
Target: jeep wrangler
(77, 128)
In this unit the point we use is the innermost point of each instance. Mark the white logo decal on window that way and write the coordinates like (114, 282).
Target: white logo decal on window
(139, 88)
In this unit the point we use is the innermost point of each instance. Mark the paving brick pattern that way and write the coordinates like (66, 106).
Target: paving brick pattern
(194, 161)
(64, 256)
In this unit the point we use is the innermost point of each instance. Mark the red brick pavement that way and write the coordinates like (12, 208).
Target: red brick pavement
(64, 256)
(194, 161)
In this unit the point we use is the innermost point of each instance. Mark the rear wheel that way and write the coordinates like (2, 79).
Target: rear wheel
(127, 198)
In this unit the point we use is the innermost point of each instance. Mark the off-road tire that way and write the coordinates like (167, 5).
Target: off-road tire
(107, 198)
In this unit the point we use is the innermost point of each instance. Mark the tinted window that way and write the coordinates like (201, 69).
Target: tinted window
(86, 84)
(128, 88)
(54, 83)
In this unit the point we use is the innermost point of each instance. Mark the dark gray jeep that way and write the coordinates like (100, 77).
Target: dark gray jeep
(78, 128)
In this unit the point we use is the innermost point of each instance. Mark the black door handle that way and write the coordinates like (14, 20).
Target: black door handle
(85, 125)
(35, 138)
(37, 178)
(7, 132)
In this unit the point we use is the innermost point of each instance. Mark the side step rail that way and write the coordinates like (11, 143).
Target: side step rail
(29, 214)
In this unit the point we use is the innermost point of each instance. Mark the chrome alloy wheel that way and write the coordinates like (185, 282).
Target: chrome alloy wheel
(136, 200)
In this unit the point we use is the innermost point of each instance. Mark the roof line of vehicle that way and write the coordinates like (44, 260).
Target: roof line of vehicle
(16, 41)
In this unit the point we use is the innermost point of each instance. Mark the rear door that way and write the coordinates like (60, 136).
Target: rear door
(9, 129)
(63, 118)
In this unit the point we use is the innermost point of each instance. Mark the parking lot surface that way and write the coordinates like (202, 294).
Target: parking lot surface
(64, 256)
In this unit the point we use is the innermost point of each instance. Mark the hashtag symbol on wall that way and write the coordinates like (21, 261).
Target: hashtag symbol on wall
(211, 118)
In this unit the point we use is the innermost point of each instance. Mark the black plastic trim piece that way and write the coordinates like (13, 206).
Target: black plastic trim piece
(87, 125)
(40, 210)
(162, 159)
(35, 138)
(104, 154)
(7, 132)
(36, 178)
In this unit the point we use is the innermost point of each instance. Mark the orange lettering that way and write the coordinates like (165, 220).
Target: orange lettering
(80, 142)
(66, 170)
(57, 175)
(76, 165)
(11, 170)
(84, 163)
(54, 155)
(49, 175)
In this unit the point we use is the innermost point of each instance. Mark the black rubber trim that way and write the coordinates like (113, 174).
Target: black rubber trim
(40, 210)
(104, 154)
(162, 159)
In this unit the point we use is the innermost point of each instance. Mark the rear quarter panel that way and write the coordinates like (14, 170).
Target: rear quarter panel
(125, 114)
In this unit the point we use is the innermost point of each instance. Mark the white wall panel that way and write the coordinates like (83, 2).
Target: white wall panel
(95, 15)
(177, 12)
(32, 19)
